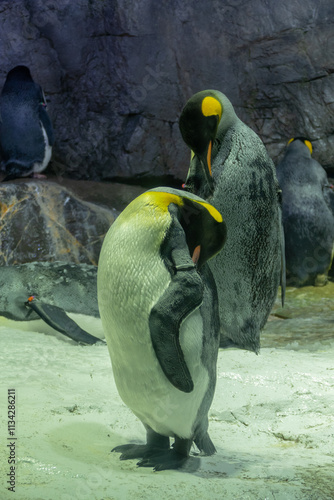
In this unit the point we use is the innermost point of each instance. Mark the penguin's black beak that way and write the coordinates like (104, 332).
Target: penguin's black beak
(199, 179)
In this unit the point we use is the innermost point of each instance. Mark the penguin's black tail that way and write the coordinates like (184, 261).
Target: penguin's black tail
(205, 445)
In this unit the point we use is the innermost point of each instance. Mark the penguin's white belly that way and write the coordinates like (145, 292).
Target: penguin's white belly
(40, 166)
(144, 387)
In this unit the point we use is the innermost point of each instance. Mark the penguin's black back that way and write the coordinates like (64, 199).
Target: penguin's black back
(247, 270)
(307, 219)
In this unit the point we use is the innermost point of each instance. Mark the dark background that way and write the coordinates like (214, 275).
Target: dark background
(117, 74)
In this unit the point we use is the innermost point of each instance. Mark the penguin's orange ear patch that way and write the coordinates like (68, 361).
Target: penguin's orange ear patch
(211, 106)
(208, 158)
(309, 145)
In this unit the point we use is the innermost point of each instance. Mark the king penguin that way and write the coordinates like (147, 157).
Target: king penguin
(26, 134)
(231, 169)
(158, 306)
(307, 216)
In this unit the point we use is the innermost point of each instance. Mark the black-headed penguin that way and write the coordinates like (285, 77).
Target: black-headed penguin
(231, 169)
(158, 305)
(307, 216)
(26, 134)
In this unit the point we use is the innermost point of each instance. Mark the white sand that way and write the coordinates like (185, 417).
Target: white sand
(272, 421)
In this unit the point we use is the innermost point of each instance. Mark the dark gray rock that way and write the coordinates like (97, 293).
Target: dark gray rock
(42, 221)
(117, 74)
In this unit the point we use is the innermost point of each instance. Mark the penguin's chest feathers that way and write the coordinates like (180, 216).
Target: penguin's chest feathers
(141, 383)
(40, 166)
(145, 388)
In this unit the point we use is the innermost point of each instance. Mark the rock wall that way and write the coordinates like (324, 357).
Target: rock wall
(118, 72)
(42, 221)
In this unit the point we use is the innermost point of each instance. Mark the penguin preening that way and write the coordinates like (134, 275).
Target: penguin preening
(158, 306)
(26, 134)
(231, 169)
(307, 216)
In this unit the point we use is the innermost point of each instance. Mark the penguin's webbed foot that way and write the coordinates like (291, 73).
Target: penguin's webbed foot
(156, 445)
(36, 175)
(173, 458)
(170, 459)
(129, 451)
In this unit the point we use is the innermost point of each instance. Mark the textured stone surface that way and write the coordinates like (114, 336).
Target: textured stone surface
(306, 321)
(42, 221)
(118, 73)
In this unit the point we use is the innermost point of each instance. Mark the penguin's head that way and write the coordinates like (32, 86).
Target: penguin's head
(19, 73)
(304, 140)
(203, 225)
(199, 121)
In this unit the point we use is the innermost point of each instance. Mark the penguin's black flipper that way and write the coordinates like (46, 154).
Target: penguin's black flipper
(183, 295)
(58, 319)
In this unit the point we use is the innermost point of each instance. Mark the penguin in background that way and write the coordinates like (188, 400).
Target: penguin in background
(307, 216)
(231, 169)
(158, 305)
(26, 134)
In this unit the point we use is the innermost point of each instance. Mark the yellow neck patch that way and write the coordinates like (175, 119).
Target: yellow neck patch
(306, 142)
(309, 145)
(212, 211)
(163, 200)
(211, 106)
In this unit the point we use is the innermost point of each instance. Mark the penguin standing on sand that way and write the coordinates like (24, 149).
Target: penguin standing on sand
(307, 216)
(231, 169)
(158, 306)
(26, 135)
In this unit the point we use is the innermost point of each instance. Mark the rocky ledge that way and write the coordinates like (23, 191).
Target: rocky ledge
(43, 221)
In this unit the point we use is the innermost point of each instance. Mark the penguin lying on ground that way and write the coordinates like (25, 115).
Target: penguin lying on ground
(158, 306)
(26, 135)
(307, 217)
(50, 290)
(231, 169)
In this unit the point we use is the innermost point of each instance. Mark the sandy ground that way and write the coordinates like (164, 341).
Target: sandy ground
(272, 421)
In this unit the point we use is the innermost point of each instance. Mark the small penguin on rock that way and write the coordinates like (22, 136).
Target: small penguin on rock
(231, 169)
(307, 216)
(26, 134)
(158, 305)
